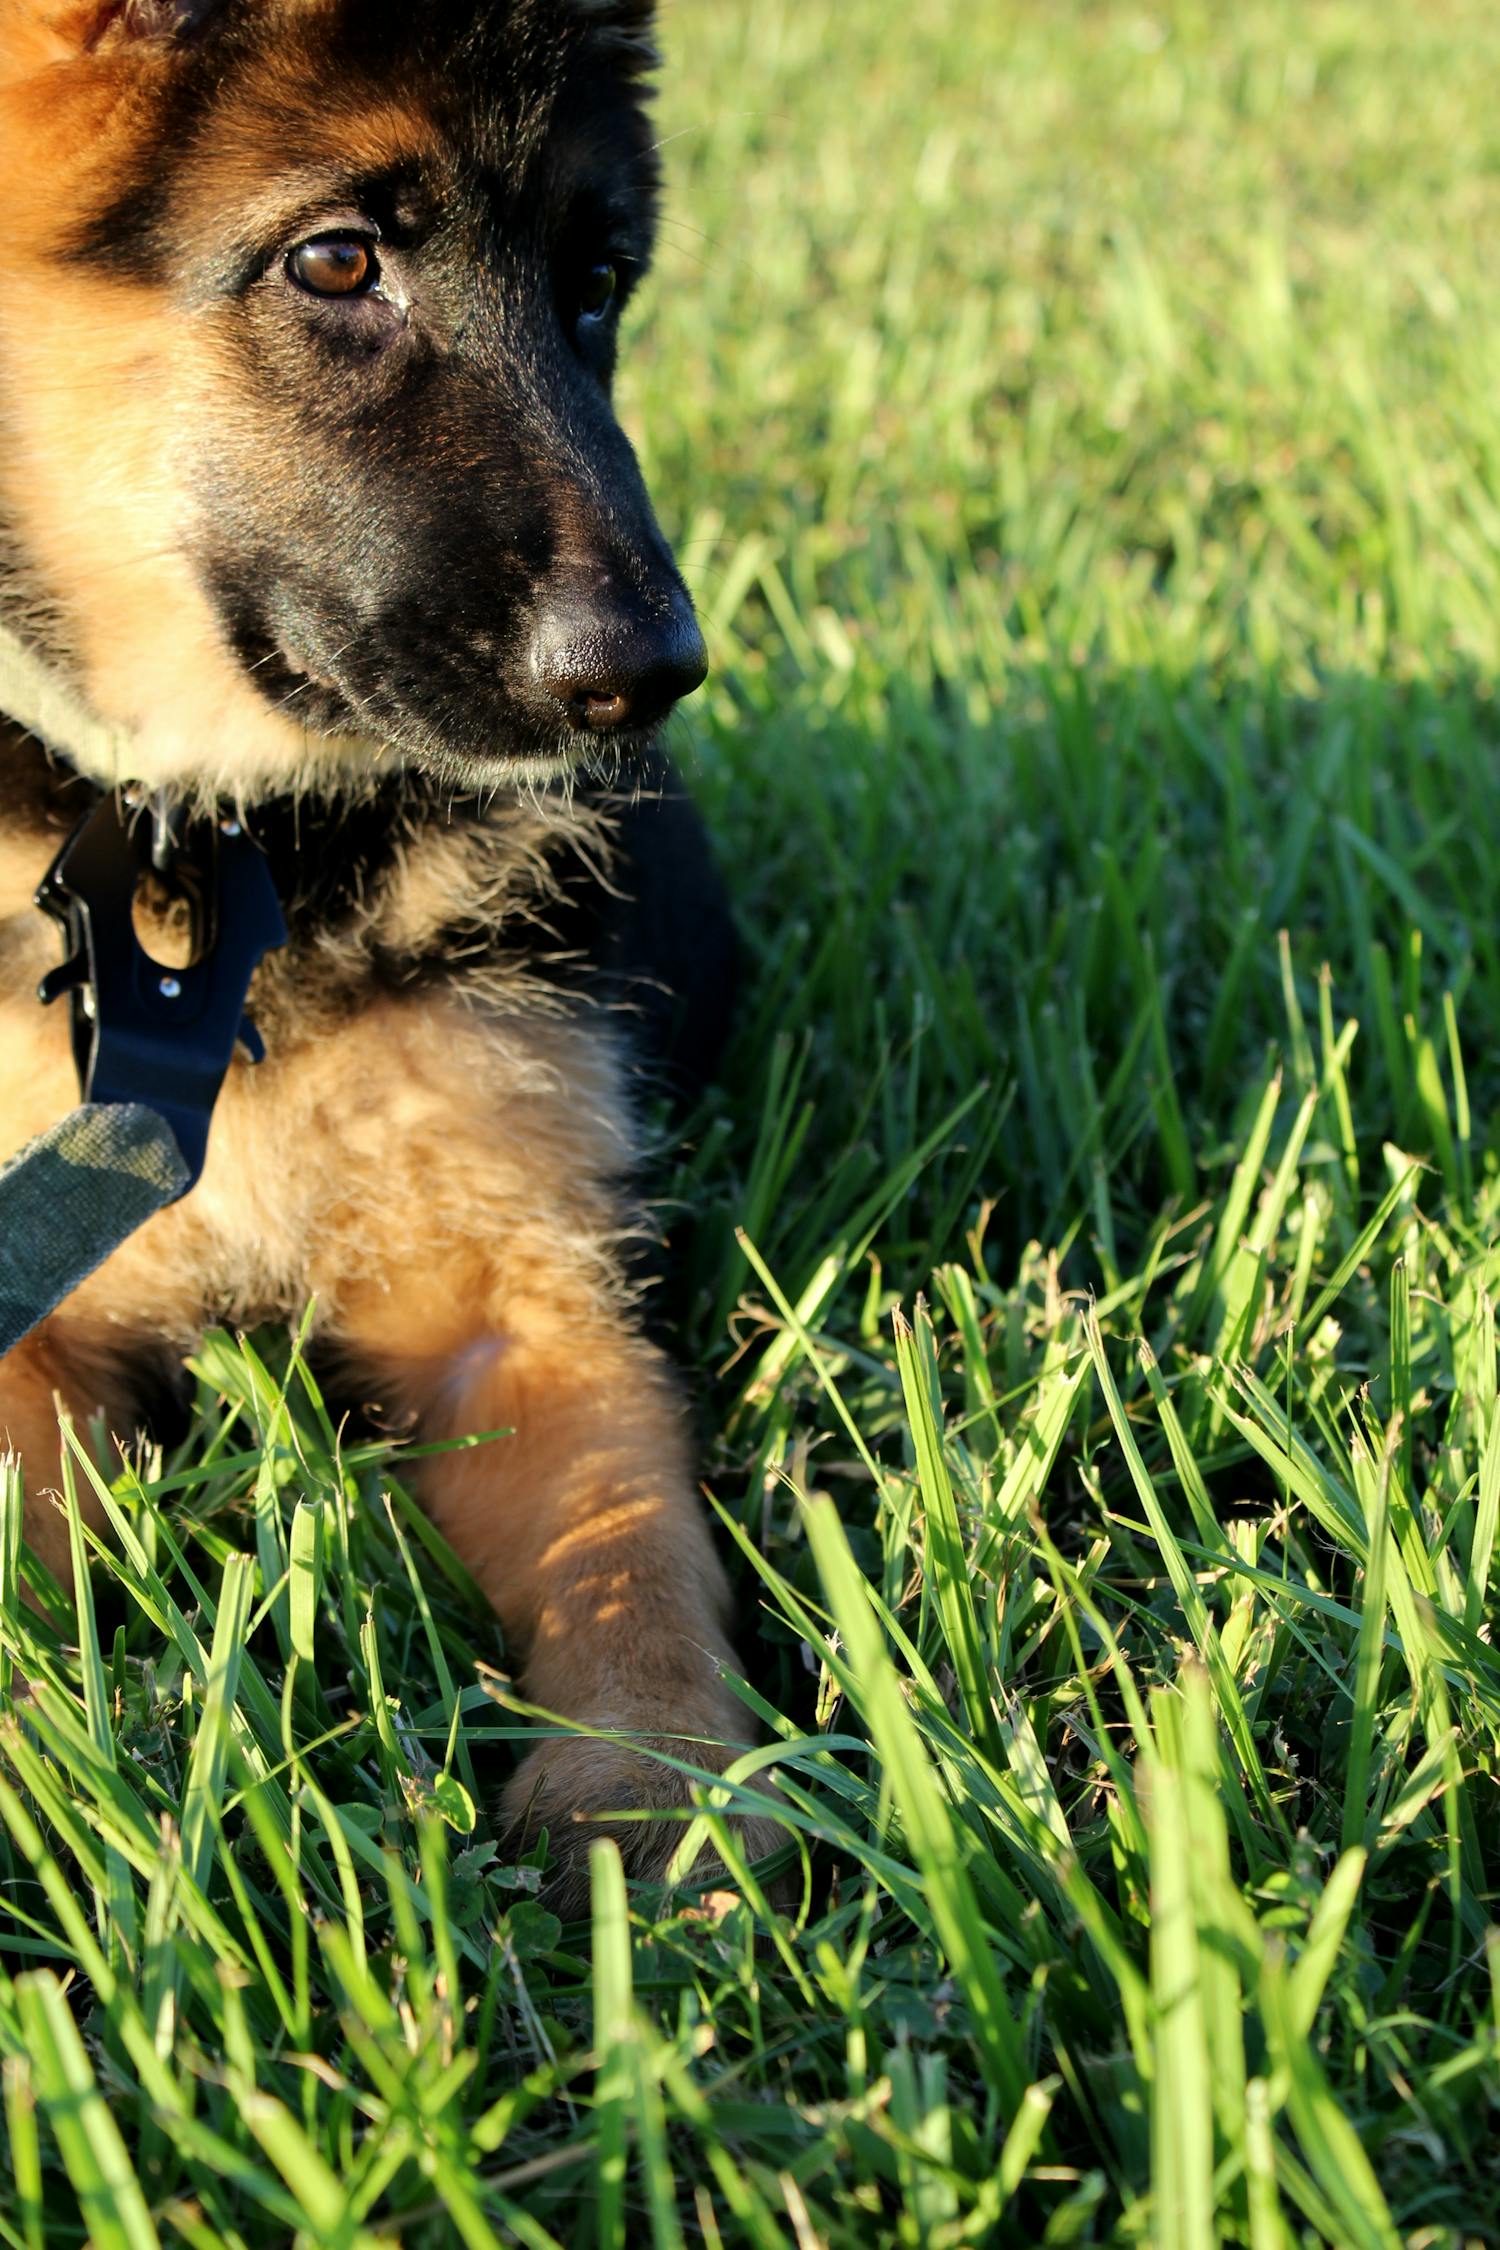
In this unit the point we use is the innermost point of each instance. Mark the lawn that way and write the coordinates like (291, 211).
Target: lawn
(1081, 425)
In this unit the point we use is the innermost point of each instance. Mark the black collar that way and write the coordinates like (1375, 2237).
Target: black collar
(141, 1032)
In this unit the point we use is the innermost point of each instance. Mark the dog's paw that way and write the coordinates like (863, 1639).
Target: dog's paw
(571, 1786)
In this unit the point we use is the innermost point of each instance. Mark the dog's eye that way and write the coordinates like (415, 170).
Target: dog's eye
(597, 291)
(334, 265)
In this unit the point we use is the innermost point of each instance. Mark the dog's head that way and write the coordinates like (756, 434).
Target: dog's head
(308, 314)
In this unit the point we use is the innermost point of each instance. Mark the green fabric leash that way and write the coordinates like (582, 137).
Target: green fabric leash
(69, 1200)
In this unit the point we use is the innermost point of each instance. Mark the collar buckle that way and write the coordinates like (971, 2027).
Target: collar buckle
(163, 1037)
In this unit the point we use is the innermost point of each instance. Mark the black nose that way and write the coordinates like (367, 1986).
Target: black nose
(612, 660)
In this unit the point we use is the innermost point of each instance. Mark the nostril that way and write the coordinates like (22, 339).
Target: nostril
(603, 711)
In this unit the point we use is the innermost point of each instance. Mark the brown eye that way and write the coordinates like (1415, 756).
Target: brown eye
(598, 291)
(334, 266)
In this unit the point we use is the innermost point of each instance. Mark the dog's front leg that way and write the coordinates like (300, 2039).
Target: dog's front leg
(37, 1378)
(584, 1528)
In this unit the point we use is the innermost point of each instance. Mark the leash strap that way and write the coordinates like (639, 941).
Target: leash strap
(70, 1199)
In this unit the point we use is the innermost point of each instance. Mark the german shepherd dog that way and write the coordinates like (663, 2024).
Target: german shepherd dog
(314, 513)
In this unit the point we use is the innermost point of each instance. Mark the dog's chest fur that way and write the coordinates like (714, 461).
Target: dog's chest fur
(432, 1083)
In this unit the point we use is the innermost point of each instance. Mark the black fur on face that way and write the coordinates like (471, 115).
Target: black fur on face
(402, 237)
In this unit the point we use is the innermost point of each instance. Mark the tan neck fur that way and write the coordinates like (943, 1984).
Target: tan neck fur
(36, 697)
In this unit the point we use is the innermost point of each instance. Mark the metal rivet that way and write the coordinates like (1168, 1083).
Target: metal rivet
(229, 828)
(170, 988)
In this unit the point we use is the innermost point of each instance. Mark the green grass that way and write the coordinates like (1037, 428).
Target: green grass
(1082, 427)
